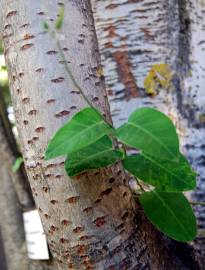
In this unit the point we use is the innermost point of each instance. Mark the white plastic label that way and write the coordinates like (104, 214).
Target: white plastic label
(35, 237)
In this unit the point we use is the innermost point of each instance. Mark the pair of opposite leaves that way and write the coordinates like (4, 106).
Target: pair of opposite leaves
(85, 140)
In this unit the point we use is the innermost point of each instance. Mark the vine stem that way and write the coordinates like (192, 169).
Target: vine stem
(76, 84)
(197, 203)
(136, 195)
(139, 184)
(71, 74)
(201, 233)
(83, 94)
(68, 70)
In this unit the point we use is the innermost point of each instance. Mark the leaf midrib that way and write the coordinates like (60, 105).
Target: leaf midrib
(163, 168)
(79, 133)
(167, 206)
(92, 156)
(151, 135)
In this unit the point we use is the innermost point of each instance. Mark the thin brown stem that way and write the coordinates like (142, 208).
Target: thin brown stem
(71, 74)
(139, 184)
(197, 203)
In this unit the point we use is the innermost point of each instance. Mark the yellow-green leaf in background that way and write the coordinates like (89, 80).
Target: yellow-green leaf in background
(59, 21)
(160, 75)
(17, 164)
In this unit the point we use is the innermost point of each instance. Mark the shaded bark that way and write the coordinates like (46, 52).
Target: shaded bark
(19, 179)
(11, 215)
(15, 197)
(2, 254)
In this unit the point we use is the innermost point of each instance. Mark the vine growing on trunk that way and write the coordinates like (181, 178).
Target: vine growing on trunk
(87, 142)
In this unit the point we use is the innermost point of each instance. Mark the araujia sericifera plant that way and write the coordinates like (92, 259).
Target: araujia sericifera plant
(87, 142)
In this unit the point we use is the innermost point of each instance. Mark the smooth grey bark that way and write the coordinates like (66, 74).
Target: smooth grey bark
(134, 35)
(90, 221)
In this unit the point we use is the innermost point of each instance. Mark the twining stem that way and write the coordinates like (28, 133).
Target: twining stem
(197, 203)
(76, 84)
(139, 184)
(136, 195)
(71, 74)
(201, 233)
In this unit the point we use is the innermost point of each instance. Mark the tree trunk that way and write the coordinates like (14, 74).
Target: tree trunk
(11, 221)
(134, 35)
(15, 197)
(2, 254)
(191, 100)
(90, 222)
(20, 181)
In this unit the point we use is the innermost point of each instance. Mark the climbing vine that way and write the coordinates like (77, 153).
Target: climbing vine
(87, 142)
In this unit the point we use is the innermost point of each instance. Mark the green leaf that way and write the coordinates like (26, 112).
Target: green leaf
(85, 128)
(160, 75)
(152, 132)
(1, 49)
(46, 26)
(17, 164)
(163, 174)
(171, 213)
(98, 155)
(59, 21)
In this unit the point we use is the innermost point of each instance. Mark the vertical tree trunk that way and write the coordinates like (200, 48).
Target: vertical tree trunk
(11, 221)
(2, 254)
(15, 197)
(191, 101)
(134, 35)
(89, 221)
(20, 181)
